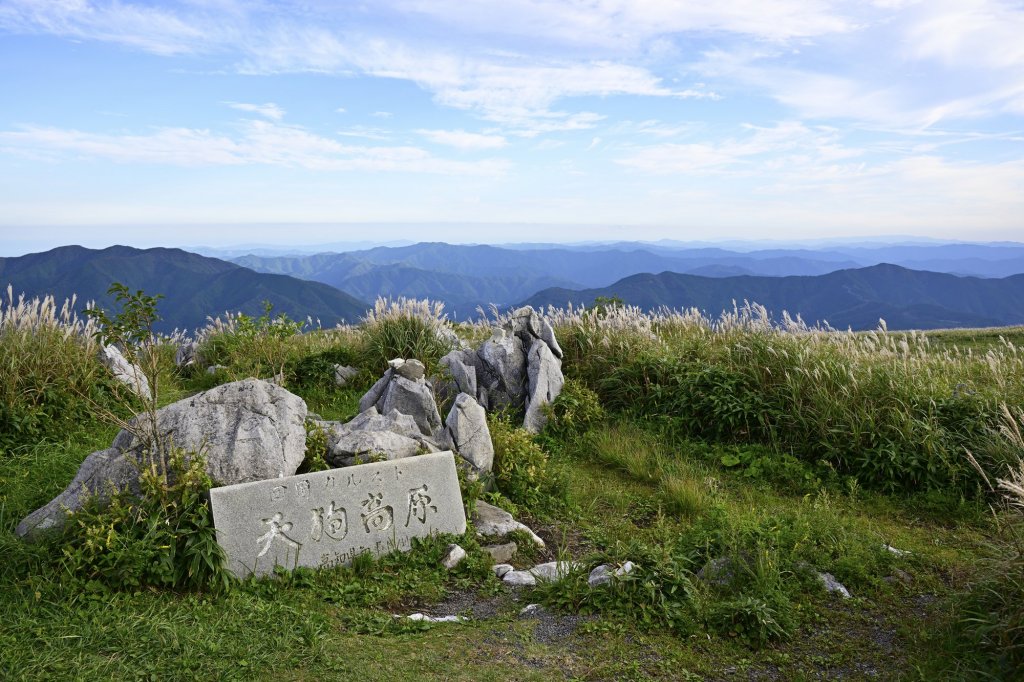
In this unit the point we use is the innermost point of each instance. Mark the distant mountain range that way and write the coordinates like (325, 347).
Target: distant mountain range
(468, 276)
(855, 298)
(193, 286)
(820, 285)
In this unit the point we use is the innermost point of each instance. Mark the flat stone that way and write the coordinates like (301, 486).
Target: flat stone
(519, 579)
(329, 517)
(453, 557)
(502, 553)
(435, 619)
(491, 520)
(501, 569)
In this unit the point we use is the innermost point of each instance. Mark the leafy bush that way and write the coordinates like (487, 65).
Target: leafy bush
(575, 410)
(250, 346)
(316, 449)
(521, 470)
(163, 537)
(408, 329)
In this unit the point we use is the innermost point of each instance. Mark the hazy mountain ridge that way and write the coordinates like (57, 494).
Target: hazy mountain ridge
(857, 298)
(193, 286)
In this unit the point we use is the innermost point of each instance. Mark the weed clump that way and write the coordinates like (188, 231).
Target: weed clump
(160, 536)
(522, 470)
(405, 328)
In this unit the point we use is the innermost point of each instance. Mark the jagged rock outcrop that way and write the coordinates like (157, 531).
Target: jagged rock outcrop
(395, 391)
(128, 374)
(343, 374)
(186, 354)
(468, 433)
(519, 366)
(248, 431)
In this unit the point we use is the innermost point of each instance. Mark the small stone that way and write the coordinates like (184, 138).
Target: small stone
(833, 585)
(519, 578)
(893, 550)
(502, 553)
(553, 570)
(343, 374)
(435, 619)
(413, 370)
(501, 569)
(213, 369)
(603, 574)
(453, 557)
(491, 520)
(532, 611)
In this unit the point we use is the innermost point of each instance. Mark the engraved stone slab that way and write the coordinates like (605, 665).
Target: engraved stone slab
(329, 517)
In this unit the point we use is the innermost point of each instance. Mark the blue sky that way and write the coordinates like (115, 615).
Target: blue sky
(222, 122)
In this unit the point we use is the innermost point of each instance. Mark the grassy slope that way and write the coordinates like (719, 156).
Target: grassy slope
(339, 624)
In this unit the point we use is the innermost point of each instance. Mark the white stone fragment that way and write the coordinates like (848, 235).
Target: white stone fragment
(453, 557)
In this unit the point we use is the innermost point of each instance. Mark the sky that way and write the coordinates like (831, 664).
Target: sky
(221, 122)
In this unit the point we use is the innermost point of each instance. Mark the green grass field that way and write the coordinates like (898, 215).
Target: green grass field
(675, 446)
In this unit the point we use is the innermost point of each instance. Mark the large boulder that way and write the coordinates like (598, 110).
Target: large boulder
(124, 371)
(468, 433)
(371, 434)
(504, 370)
(248, 431)
(396, 391)
(460, 366)
(544, 371)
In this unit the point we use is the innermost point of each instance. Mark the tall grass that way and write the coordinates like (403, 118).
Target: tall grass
(881, 406)
(47, 367)
(406, 328)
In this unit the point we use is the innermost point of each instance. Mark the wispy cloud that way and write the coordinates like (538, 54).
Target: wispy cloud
(257, 143)
(269, 110)
(460, 139)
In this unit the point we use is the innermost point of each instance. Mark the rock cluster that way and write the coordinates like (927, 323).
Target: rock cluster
(248, 431)
(520, 367)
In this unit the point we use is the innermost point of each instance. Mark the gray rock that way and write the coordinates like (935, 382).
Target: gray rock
(462, 370)
(248, 430)
(545, 383)
(213, 369)
(453, 557)
(833, 585)
(128, 374)
(372, 398)
(502, 554)
(718, 571)
(896, 552)
(547, 335)
(454, 618)
(414, 399)
(495, 521)
(186, 354)
(468, 433)
(501, 569)
(603, 574)
(504, 369)
(343, 374)
(519, 579)
(357, 447)
(413, 370)
(552, 571)
(532, 611)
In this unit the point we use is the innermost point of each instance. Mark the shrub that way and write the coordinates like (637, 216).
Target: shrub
(405, 328)
(163, 537)
(250, 346)
(522, 471)
(575, 410)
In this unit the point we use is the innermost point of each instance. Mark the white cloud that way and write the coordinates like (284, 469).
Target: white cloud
(382, 114)
(340, 110)
(258, 143)
(269, 110)
(461, 139)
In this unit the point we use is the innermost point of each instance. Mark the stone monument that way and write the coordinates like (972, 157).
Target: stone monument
(329, 517)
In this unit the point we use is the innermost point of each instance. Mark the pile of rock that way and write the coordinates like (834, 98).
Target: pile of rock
(520, 367)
